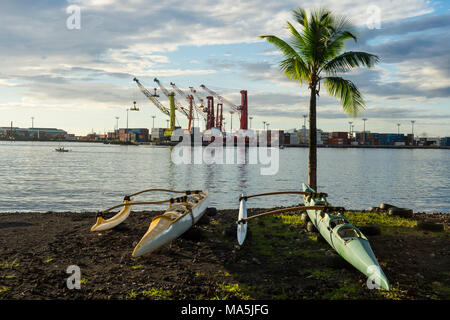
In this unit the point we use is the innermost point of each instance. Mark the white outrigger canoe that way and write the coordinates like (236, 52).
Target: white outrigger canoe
(173, 223)
(182, 214)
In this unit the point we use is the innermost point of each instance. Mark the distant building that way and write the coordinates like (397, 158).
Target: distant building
(303, 136)
(34, 133)
(134, 134)
(157, 133)
(445, 142)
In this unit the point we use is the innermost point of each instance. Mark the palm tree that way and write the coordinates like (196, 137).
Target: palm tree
(314, 55)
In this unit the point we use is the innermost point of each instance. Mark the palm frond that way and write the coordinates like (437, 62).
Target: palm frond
(293, 66)
(348, 60)
(350, 97)
(301, 17)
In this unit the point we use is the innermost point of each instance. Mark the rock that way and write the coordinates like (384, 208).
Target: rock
(400, 212)
(310, 227)
(212, 211)
(370, 230)
(386, 206)
(430, 226)
(204, 220)
(304, 217)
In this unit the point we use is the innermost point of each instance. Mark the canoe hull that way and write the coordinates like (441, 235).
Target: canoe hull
(151, 242)
(354, 248)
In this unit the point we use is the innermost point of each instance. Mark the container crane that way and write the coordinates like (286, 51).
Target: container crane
(206, 110)
(242, 110)
(178, 106)
(152, 98)
(198, 109)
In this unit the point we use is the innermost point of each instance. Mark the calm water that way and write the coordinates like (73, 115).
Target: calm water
(94, 176)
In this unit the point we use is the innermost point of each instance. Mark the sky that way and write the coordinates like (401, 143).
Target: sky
(80, 79)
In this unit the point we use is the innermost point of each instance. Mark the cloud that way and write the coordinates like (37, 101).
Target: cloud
(121, 39)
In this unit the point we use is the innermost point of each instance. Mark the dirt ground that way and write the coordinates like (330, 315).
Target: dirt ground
(279, 260)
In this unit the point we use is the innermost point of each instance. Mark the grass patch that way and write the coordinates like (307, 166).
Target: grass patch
(3, 289)
(307, 253)
(322, 273)
(136, 267)
(157, 294)
(223, 273)
(11, 276)
(348, 291)
(231, 291)
(294, 220)
(9, 265)
(84, 281)
(132, 294)
(393, 294)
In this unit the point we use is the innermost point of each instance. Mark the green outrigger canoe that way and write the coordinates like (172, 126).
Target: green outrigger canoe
(334, 227)
(345, 238)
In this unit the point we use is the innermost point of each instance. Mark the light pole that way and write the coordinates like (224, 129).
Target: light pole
(412, 130)
(364, 131)
(264, 124)
(32, 122)
(304, 127)
(167, 123)
(153, 122)
(251, 118)
(231, 114)
(398, 128)
(267, 124)
(350, 123)
(117, 127)
(126, 137)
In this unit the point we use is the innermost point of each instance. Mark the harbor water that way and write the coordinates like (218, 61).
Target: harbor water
(94, 176)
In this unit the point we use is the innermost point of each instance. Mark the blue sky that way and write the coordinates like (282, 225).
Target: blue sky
(80, 80)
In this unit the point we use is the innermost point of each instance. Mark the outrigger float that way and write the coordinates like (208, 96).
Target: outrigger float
(183, 213)
(335, 228)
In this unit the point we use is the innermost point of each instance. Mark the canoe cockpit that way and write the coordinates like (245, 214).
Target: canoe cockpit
(348, 232)
(338, 220)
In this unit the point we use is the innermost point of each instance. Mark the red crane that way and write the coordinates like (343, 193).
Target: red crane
(242, 110)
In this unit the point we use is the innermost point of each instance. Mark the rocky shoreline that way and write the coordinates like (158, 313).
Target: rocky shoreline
(280, 260)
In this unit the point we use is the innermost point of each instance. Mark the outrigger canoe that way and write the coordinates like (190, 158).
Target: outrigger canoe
(336, 229)
(182, 214)
(173, 223)
(345, 238)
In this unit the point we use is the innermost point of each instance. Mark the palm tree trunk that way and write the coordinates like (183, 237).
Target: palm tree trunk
(312, 166)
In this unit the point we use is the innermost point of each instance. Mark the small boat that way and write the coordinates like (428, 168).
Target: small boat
(61, 149)
(345, 238)
(182, 214)
(336, 229)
